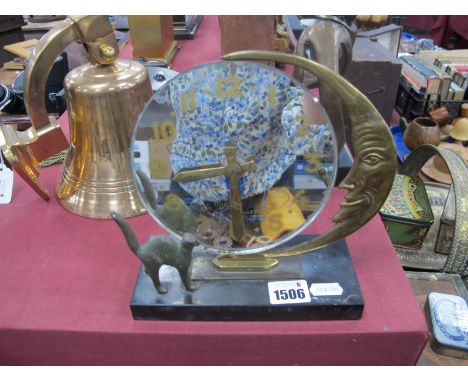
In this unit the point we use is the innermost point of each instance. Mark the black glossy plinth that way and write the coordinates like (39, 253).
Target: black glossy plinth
(249, 300)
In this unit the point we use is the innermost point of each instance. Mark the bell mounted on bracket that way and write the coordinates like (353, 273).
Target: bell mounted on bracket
(104, 99)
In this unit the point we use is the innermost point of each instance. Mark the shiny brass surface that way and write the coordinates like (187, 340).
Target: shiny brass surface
(21, 158)
(233, 170)
(153, 37)
(257, 263)
(87, 29)
(104, 100)
(171, 52)
(371, 176)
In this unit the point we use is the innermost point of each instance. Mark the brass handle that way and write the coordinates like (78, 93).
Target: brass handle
(95, 32)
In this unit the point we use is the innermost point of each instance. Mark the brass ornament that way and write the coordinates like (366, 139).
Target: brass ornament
(371, 177)
(21, 159)
(255, 263)
(86, 29)
(104, 99)
(153, 38)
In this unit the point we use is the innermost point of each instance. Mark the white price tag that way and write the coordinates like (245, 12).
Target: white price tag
(288, 292)
(326, 289)
(6, 184)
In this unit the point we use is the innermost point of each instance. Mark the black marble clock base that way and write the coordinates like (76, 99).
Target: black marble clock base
(322, 286)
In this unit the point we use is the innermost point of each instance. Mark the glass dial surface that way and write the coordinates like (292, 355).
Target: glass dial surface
(237, 153)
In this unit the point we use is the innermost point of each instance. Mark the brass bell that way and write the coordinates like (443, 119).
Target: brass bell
(104, 100)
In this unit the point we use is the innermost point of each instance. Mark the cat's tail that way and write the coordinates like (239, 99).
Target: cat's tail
(127, 231)
(147, 189)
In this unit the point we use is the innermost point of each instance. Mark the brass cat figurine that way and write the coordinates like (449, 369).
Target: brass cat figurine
(161, 250)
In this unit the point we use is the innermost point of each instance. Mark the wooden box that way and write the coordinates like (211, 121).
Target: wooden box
(10, 33)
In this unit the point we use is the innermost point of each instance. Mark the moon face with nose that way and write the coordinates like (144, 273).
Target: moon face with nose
(365, 184)
(371, 177)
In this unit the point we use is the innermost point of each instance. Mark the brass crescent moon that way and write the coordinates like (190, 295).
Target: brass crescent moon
(371, 177)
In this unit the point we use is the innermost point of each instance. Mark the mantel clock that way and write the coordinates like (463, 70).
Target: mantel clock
(235, 159)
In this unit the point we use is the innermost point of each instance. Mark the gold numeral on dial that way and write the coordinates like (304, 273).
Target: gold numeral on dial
(173, 203)
(187, 101)
(304, 129)
(164, 131)
(203, 222)
(275, 222)
(232, 91)
(313, 163)
(272, 96)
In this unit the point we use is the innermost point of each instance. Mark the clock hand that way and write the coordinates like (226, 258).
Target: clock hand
(237, 215)
(198, 173)
(233, 170)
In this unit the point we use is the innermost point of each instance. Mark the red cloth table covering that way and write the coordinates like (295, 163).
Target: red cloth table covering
(438, 26)
(66, 283)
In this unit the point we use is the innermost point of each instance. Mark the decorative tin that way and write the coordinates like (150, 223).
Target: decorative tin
(425, 258)
(448, 319)
(407, 213)
(423, 284)
(447, 225)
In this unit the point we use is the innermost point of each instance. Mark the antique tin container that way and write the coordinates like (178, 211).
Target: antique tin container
(447, 225)
(447, 316)
(407, 213)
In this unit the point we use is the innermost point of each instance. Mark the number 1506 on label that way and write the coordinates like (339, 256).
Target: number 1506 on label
(288, 292)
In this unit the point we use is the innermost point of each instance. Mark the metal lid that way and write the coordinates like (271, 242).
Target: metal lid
(408, 200)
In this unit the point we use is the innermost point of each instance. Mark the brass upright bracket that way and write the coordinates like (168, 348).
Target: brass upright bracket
(24, 149)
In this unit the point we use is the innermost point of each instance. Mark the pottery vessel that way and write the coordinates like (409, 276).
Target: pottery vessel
(440, 115)
(421, 131)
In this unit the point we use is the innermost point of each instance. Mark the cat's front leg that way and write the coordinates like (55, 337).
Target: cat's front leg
(154, 275)
(186, 280)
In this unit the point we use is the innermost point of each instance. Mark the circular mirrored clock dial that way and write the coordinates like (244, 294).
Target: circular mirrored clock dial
(237, 153)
